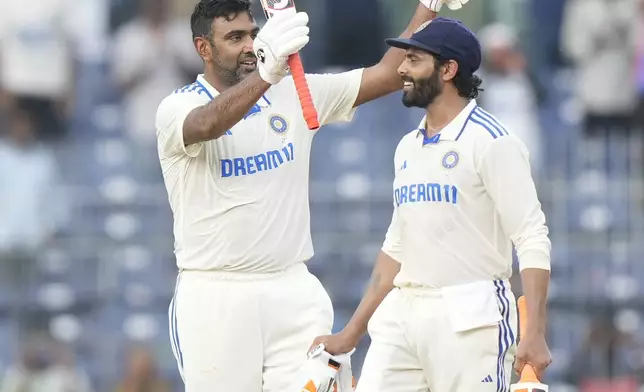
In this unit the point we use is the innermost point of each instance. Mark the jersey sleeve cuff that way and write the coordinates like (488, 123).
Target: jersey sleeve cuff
(391, 253)
(354, 81)
(192, 150)
(534, 259)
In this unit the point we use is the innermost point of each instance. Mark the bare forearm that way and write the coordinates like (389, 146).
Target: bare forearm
(382, 78)
(393, 57)
(535, 289)
(227, 109)
(381, 283)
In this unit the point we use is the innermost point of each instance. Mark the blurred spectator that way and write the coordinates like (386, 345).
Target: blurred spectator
(599, 37)
(65, 375)
(31, 204)
(152, 56)
(38, 370)
(141, 374)
(36, 60)
(609, 361)
(509, 92)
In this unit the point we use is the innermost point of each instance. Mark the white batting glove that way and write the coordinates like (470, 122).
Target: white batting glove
(433, 5)
(282, 35)
(316, 375)
(455, 4)
(344, 381)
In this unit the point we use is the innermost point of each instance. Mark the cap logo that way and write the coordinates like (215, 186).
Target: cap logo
(422, 26)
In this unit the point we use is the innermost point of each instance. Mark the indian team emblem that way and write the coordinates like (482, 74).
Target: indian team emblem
(450, 160)
(278, 123)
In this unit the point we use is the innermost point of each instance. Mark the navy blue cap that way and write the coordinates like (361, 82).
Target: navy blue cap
(447, 38)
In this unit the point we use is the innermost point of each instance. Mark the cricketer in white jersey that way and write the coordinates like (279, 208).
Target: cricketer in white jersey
(440, 311)
(234, 150)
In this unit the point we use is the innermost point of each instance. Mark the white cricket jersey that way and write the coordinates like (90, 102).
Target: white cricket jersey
(461, 199)
(240, 202)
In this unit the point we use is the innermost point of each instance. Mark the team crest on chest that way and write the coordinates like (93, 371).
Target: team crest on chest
(450, 160)
(278, 123)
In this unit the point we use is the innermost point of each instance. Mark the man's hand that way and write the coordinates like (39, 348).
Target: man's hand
(282, 35)
(533, 350)
(339, 343)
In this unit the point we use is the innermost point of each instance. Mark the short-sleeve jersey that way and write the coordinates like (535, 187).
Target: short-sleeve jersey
(240, 202)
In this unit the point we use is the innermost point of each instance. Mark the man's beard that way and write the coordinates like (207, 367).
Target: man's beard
(423, 91)
(231, 76)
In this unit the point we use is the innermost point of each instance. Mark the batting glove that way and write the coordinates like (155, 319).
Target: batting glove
(318, 374)
(344, 382)
(282, 35)
(455, 4)
(435, 5)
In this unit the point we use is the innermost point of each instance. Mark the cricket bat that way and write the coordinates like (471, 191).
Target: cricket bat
(271, 7)
(528, 381)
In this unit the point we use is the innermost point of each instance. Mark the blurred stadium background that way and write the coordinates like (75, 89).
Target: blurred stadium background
(86, 262)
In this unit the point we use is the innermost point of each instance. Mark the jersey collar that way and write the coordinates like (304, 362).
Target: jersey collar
(203, 83)
(453, 130)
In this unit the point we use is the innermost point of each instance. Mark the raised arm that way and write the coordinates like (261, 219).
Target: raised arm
(282, 35)
(382, 79)
(211, 121)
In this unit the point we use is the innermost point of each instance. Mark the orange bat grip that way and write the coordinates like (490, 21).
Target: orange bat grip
(303, 92)
(527, 373)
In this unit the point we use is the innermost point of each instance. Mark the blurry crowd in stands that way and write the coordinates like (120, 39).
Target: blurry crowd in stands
(49, 366)
(147, 47)
(604, 41)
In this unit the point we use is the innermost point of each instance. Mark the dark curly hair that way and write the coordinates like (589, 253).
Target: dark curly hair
(208, 10)
(467, 85)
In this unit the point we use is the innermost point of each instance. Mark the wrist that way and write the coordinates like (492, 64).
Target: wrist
(353, 332)
(535, 333)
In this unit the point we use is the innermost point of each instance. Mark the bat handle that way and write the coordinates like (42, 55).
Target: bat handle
(522, 308)
(303, 92)
(528, 374)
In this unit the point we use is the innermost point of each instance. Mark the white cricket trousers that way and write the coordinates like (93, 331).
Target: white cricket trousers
(246, 332)
(460, 339)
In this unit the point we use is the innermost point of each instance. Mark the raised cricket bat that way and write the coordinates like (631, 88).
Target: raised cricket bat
(271, 7)
(528, 381)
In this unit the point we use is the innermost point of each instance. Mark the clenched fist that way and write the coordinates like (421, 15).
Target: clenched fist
(533, 350)
(336, 344)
